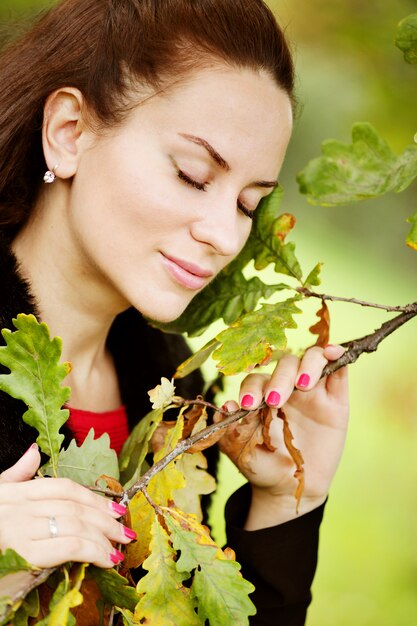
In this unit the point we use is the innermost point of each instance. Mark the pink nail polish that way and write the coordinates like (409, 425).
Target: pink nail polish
(273, 398)
(303, 381)
(34, 446)
(120, 557)
(129, 533)
(116, 557)
(118, 508)
(247, 401)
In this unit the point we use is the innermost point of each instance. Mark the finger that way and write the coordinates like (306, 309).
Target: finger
(78, 520)
(310, 368)
(337, 385)
(63, 489)
(252, 390)
(25, 468)
(230, 406)
(52, 552)
(332, 352)
(281, 384)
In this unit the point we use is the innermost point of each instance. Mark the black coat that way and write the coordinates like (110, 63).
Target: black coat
(280, 560)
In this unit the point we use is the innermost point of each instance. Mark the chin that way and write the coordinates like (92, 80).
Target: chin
(163, 314)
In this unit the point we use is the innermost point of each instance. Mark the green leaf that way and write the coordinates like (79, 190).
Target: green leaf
(11, 561)
(313, 279)
(136, 448)
(29, 608)
(165, 601)
(412, 235)
(85, 463)
(406, 38)
(221, 591)
(197, 359)
(226, 297)
(251, 340)
(114, 588)
(36, 376)
(365, 169)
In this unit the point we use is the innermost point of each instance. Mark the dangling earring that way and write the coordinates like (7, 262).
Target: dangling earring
(50, 175)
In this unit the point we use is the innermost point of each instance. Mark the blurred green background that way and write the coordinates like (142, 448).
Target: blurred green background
(349, 70)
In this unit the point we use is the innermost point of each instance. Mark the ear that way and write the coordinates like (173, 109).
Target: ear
(62, 130)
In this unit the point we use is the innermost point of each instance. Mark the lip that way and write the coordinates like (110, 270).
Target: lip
(185, 273)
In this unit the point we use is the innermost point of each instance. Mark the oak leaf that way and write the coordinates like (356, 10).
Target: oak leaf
(365, 169)
(136, 448)
(322, 327)
(406, 38)
(35, 378)
(220, 590)
(296, 456)
(85, 463)
(251, 340)
(160, 490)
(162, 395)
(165, 600)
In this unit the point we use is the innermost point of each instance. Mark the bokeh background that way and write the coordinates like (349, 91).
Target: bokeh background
(349, 70)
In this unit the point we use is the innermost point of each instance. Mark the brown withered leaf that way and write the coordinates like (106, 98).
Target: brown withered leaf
(192, 417)
(296, 456)
(114, 485)
(240, 440)
(266, 417)
(322, 327)
(159, 436)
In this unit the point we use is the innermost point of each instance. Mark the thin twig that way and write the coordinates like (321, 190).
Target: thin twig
(199, 401)
(312, 294)
(369, 343)
(182, 447)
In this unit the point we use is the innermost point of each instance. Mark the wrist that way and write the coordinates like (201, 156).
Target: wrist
(268, 510)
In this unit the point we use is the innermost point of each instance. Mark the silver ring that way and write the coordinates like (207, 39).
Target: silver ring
(53, 527)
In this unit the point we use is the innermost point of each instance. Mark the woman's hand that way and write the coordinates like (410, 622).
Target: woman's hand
(85, 522)
(317, 412)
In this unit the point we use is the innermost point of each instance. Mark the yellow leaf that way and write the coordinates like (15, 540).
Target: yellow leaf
(160, 489)
(59, 615)
(163, 394)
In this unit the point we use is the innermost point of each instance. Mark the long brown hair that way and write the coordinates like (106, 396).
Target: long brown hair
(102, 47)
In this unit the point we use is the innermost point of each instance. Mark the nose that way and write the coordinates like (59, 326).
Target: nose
(222, 228)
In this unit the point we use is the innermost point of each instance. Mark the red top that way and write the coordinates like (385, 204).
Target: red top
(112, 422)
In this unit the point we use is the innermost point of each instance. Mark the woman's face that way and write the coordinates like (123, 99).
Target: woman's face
(162, 203)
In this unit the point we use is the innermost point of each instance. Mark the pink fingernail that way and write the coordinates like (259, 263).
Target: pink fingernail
(274, 398)
(118, 508)
(303, 381)
(34, 446)
(129, 533)
(247, 401)
(116, 557)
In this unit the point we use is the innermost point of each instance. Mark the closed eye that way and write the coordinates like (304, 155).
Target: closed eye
(190, 181)
(203, 187)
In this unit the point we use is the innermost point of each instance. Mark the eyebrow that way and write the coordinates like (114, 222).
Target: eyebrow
(221, 162)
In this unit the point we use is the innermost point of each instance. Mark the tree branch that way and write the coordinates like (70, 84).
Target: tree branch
(312, 294)
(369, 343)
(356, 347)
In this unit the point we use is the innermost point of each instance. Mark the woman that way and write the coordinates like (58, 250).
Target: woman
(162, 124)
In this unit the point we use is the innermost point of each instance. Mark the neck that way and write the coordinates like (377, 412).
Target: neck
(74, 301)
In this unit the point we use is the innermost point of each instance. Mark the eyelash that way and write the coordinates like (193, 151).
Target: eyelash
(203, 187)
